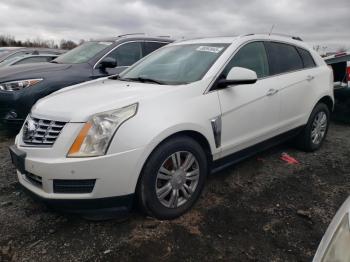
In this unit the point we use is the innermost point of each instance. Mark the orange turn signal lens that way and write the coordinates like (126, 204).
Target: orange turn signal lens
(75, 148)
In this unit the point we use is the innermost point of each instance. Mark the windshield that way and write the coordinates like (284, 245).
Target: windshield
(175, 65)
(10, 60)
(82, 53)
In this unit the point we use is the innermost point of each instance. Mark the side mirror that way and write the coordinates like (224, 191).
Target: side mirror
(108, 62)
(238, 76)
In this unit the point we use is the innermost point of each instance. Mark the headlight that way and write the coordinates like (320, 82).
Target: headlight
(95, 136)
(338, 249)
(18, 85)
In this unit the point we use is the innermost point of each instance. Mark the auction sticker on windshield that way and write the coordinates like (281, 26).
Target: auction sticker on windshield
(211, 49)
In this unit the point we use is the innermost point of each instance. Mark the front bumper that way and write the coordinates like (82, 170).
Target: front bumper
(13, 108)
(115, 175)
(109, 205)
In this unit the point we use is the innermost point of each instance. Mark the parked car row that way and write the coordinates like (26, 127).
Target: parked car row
(28, 59)
(151, 132)
(23, 85)
(13, 52)
(340, 64)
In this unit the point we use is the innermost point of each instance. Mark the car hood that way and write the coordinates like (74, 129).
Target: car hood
(29, 70)
(77, 103)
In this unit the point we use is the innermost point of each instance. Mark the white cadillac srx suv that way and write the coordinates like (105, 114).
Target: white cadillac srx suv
(154, 132)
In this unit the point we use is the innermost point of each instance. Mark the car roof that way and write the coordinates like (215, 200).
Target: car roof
(9, 48)
(30, 49)
(125, 38)
(231, 39)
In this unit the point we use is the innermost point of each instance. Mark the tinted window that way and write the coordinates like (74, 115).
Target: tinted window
(307, 58)
(127, 54)
(252, 56)
(283, 58)
(149, 47)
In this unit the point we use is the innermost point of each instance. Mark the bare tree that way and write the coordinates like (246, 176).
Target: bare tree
(67, 44)
(8, 40)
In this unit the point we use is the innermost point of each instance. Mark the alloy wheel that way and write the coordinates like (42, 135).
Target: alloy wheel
(177, 179)
(319, 127)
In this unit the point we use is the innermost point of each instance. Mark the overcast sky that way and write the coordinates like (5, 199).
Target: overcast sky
(323, 22)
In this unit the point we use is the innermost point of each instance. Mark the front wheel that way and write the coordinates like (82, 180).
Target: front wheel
(315, 131)
(172, 178)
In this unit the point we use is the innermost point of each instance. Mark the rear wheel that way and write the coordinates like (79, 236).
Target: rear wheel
(315, 131)
(172, 178)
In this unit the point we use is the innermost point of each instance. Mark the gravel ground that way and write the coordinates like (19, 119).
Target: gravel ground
(263, 209)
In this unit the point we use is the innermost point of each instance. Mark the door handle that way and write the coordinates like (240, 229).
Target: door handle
(310, 78)
(272, 92)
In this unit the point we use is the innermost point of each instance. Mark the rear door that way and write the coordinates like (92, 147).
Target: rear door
(295, 78)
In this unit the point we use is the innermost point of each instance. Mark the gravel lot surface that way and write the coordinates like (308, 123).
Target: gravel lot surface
(262, 209)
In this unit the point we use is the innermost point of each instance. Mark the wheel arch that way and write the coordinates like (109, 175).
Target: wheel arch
(194, 134)
(328, 101)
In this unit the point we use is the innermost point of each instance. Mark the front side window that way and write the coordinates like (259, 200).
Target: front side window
(126, 54)
(283, 58)
(82, 53)
(251, 56)
(177, 64)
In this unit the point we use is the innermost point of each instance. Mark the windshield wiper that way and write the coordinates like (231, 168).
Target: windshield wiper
(143, 80)
(114, 77)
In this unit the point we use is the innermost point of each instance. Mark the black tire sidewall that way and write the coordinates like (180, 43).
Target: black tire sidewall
(147, 193)
(308, 141)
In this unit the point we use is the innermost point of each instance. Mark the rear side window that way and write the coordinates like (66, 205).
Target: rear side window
(251, 56)
(307, 58)
(149, 47)
(283, 58)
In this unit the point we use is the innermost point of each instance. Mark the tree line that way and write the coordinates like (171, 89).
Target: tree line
(8, 40)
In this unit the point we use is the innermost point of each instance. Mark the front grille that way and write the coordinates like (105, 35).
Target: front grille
(41, 131)
(73, 186)
(34, 179)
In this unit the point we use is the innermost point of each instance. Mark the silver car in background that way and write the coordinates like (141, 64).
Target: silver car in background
(335, 244)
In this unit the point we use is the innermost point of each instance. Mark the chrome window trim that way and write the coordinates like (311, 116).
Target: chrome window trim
(209, 88)
(133, 41)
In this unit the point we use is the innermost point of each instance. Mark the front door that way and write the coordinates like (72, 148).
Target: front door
(250, 113)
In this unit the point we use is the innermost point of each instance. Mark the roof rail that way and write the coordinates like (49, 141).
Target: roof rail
(278, 34)
(131, 34)
(164, 36)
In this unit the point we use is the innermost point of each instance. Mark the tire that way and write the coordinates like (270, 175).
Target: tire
(159, 175)
(306, 139)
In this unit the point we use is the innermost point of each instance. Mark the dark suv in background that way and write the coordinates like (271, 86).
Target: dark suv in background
(21, 86)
